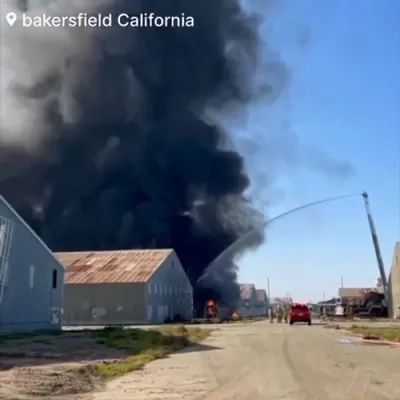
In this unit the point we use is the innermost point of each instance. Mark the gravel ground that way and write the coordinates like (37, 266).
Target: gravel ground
(262, 361)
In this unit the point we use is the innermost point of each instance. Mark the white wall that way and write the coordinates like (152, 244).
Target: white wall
(169, 292)
(394, 285)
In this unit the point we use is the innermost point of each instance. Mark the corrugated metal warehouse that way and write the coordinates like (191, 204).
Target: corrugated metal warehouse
(31, 278)
(124, 287)
(262, 302)
(248, 305)
(394, 285)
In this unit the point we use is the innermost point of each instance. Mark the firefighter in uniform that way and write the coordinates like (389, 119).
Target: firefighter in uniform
(350, 308)
(271, 315)
(286, 314)
(279, 314)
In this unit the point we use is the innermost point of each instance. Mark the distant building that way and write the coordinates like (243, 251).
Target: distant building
(248, 296)
(125, 287)
(262, 302)
(252, 303)
(357, 294)
(394, 285)
(31, 278)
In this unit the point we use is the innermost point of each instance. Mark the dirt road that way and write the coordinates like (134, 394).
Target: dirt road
(264, 361)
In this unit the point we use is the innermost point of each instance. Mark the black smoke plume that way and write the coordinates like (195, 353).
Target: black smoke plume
(110, 137)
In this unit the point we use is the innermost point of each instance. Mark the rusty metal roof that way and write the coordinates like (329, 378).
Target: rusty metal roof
(125, 266)
(247, 290)
(261, 294)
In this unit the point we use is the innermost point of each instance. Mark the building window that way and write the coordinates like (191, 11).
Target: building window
(149, 288)
(155, 288)
(31, 276)
(54, 279)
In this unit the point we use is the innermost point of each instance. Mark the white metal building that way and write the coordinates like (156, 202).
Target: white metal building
(125, 287)
(253, 302)
(394, 284)
(31, 278)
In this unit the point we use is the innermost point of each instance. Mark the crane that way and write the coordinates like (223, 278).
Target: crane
(375, 241)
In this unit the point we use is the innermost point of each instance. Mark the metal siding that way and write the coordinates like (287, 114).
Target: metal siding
(248, 292)
(23, 308)
(105, 304)
(394, 284)
(253, 302)
(262, 303)
(174, 277)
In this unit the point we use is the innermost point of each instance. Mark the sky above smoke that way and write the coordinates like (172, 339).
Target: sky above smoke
(119, 137)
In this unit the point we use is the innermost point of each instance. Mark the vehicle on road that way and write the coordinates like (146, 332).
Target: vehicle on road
(299, 313)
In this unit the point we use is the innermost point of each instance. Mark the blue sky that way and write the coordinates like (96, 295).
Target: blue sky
(342, 106)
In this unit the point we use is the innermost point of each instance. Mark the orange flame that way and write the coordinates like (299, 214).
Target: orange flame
(210, 303)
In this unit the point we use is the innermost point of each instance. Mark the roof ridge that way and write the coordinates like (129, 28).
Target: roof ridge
(113, 266)
(113, 251)
(29, 229)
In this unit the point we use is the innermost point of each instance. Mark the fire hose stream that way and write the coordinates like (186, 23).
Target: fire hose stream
(231, 250)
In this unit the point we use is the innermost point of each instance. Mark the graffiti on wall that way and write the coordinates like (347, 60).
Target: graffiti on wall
(56, 314)
(98, 312)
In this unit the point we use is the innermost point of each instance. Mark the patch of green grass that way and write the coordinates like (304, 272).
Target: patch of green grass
(367, 332)
(145, 346)
(141, 346)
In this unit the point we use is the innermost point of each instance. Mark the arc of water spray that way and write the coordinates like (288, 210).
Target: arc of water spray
(232, 248)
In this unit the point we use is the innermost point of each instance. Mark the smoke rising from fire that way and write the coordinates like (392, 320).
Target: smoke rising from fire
(110, 137)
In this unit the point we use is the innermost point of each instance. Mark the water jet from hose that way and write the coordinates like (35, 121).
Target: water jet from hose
(232, 249)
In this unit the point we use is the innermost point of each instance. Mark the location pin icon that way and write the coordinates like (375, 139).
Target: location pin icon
(11, 18)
